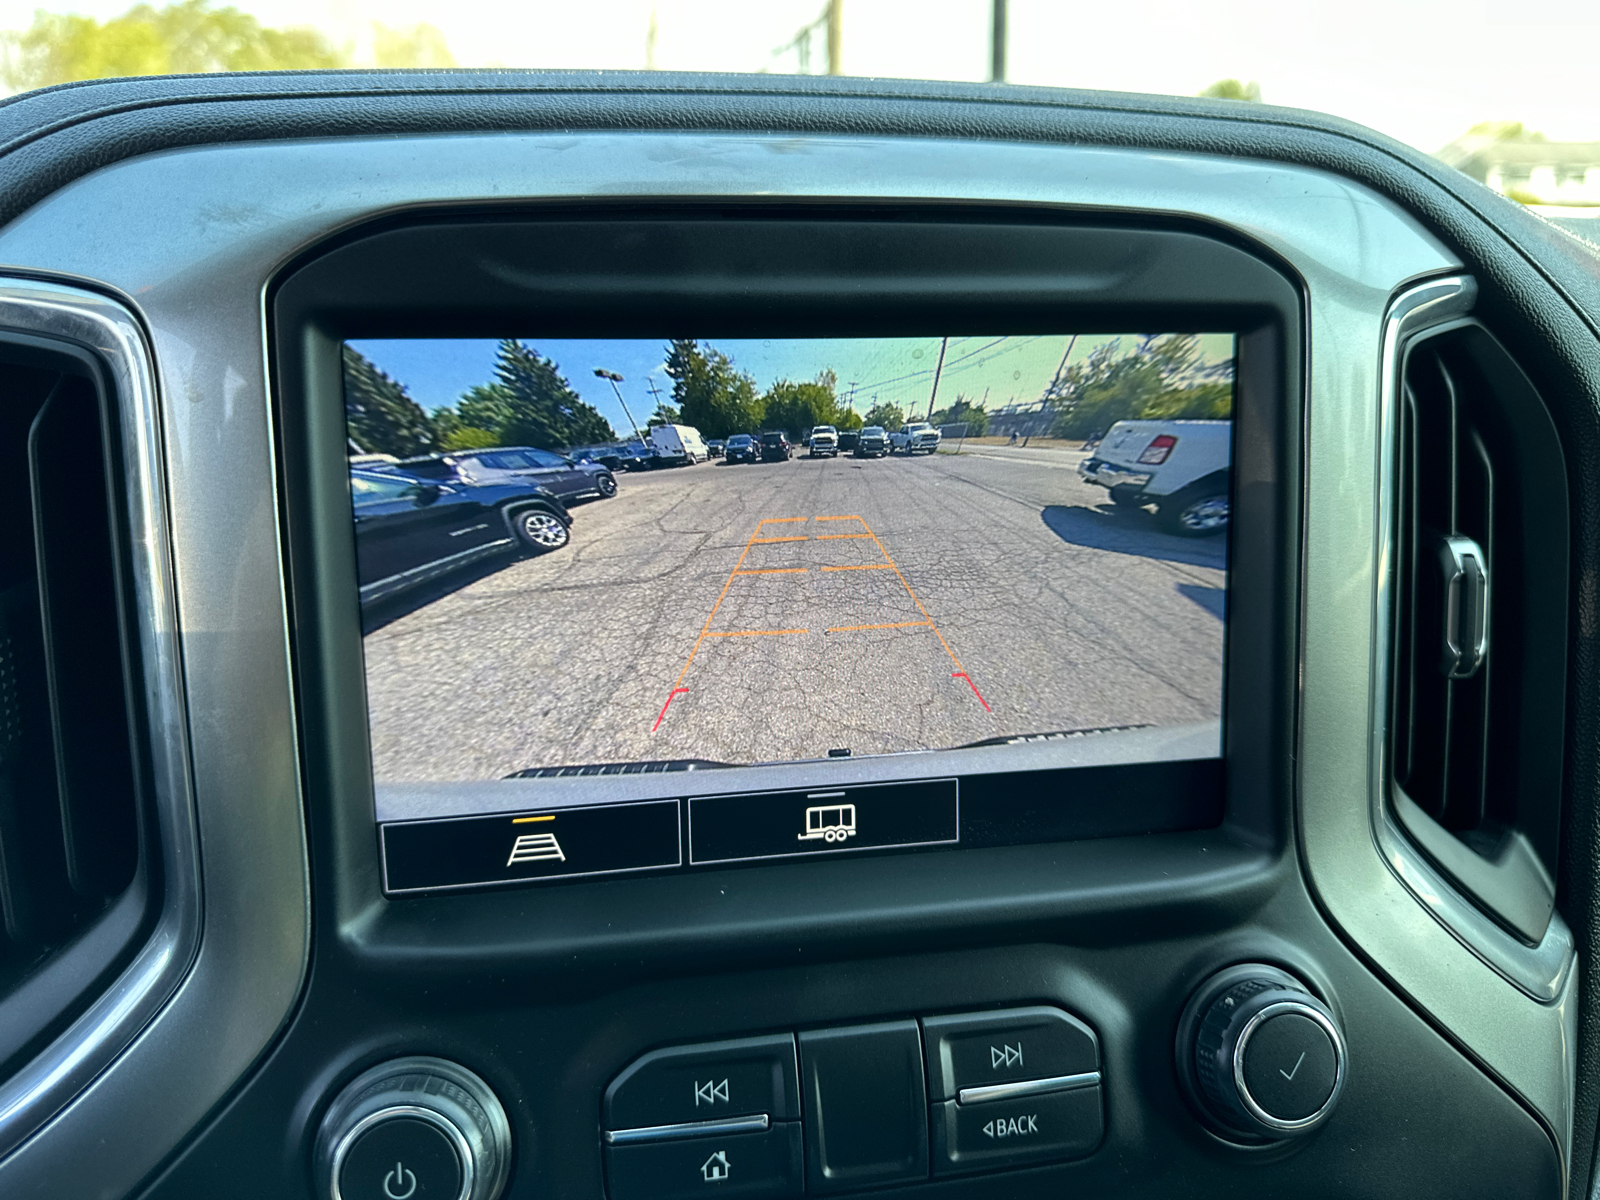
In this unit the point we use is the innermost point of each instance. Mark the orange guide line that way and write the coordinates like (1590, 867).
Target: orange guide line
(755, 632)
(960, 670)
(864, 567)
(838, 519)
(824, 537)
(777, 521)
(896, 625)
(776, 571)
(759, 541)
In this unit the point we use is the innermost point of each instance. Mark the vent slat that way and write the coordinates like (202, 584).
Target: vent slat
(1479, 473)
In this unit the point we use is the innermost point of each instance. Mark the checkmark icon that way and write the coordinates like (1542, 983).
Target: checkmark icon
(1291, 1074)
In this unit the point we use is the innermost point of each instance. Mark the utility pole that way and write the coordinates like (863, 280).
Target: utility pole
(613, 378)
(836, 36)
(937, 371)
(851, 402)
(997, 41)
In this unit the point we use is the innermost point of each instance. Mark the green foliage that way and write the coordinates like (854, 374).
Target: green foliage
(709, 392)
(890, 416)
(964, 411)
(529, 404)
(191, 37)
(468, 437)
(666, 414)
(381, 417)
(1161, 379)
(796, 407)
(1232, 89)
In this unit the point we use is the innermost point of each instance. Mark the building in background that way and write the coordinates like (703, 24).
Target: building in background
(1563, 177)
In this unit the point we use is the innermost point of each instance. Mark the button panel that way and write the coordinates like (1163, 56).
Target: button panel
(855, 1107)
(707, 1082)
(975, 1049)
(864, 1101)
(1038, 1128)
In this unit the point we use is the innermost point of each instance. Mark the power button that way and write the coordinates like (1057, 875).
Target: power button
(401, 1158)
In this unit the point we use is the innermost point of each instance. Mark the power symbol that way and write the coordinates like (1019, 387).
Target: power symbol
(399, 1183)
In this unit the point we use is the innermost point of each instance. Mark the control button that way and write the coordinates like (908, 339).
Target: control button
(707, 1082)
(975, 1049)
(1291, 1065)
(399, 1159)
(414, 1129)
(865, 1108)
(1043, 1128)
(1261, 1057)
(744, 1164)
(780, 824)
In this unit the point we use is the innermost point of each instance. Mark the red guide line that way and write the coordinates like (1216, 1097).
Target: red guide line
(675, 691)
(953, 675)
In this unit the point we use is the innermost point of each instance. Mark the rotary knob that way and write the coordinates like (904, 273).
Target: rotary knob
(1260, 1055)
(414, 1129)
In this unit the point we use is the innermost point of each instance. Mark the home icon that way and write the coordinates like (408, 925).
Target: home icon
(716, 1167)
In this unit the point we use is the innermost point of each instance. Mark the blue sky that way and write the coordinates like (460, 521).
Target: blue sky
(884, 370)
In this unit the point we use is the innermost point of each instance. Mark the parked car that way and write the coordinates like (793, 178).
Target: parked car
(742, 448)
(848, 439)
(678, 445)
(609, 457)
(917, 437)
(872, 442)
(638, 456)
(716, 446)
(775, 446)
(1182, 467)
(410, 529)
(564, 477)
(824, 439)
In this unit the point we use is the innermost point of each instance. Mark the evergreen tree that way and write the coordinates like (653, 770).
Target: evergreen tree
(380, 416)
(710, 393)
(529, 403)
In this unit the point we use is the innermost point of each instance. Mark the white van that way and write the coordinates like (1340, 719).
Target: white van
(679, 445)
(1182, 467)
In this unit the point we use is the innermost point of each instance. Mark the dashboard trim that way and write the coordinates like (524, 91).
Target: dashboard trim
(107, 330)
(197, 235)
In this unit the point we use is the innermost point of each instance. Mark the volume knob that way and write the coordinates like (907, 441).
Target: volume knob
(1265, 1057)
(414, 1129)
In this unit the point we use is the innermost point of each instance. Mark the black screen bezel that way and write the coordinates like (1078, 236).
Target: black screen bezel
(757, 269)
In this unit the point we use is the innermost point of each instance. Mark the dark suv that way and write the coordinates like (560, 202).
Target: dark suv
(775, 446)
(527, 465)
(742, 447)
(410, 530)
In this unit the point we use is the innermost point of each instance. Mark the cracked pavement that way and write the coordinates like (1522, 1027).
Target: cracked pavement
(948, 599)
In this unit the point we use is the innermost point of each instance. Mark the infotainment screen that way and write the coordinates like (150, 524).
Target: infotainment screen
(657, 603)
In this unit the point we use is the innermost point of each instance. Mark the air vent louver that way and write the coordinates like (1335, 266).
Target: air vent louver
(69, 813)
(1480, 588)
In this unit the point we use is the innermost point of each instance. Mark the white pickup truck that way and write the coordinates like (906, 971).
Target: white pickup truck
(1182, 467)
(824, 439)
(915, 437)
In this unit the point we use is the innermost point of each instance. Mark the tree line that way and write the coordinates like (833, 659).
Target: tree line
(191, 37)
(528, 403)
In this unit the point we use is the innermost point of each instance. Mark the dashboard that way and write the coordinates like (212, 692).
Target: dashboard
(1081, 681)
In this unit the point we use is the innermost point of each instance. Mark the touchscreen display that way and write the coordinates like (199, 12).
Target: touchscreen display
(623, 557)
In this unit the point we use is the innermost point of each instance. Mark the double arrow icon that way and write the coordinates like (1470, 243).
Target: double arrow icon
(1005, 1056)
(710, 1092)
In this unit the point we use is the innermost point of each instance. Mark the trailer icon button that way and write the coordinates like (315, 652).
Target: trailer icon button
(831, 823)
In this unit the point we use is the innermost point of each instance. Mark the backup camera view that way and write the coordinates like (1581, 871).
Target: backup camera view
(576, 553)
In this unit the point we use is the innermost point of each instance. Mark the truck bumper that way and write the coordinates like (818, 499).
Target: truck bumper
(1108, 475)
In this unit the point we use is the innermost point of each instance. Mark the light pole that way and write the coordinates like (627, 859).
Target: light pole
(613, 378)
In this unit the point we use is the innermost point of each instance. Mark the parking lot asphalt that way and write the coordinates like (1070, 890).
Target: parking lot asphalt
(761, 612)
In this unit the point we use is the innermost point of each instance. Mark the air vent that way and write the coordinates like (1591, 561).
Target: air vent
(1480, 622)
(71, 883)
